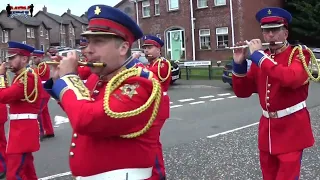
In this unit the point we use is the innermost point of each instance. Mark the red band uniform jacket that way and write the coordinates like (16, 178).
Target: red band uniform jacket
(24, 133)
(279, 86)
(43, 70)
(97, 143)
(162, 69)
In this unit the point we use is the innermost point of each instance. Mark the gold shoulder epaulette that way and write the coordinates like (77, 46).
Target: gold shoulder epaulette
(44, 65)
(155, 98)
(160, 65)
(23, 78)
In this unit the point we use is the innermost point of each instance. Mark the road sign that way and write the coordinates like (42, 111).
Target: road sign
(197, 63)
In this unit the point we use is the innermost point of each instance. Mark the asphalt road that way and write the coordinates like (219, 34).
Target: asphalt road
(196, 139)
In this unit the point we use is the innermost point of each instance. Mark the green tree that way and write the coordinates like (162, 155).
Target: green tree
(306, 20)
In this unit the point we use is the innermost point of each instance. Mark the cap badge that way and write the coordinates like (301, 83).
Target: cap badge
(97, 11)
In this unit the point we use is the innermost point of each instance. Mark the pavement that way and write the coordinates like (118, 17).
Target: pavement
(211, 135)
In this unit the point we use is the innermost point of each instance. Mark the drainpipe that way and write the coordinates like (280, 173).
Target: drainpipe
(231, 21)
(192, 31)
(137, 14)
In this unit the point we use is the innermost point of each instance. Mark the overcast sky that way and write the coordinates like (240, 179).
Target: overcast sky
(77, 7)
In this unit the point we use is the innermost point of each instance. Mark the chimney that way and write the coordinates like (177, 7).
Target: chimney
(69, 11)
(44, 9)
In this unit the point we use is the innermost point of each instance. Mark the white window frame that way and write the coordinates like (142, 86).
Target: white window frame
(32, 32)
(204, 36)
(28, 33)
(5, 36)
(200, 5)
(83, 27)
(170, 5)
(218, 3)
(146, 6)
(41, 31)
(62, 29)
(156, 7)
(226, 33)
(47, 34)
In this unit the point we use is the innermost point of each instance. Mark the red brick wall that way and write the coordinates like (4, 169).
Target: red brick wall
(245, 25)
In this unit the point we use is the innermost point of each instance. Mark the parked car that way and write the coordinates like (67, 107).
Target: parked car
(227, 72)
(175, 69)
(316, 53)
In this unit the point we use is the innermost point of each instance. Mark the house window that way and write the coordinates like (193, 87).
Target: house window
(41, 31)
(156, 7)
(47, 34)
(83, 28)
(28, 33)
(71, 43)
(173, 4)
(202, 3)
(62, 29)
(222, 37)
(71, 30)
(204, 36)
(220, 2)
(6, 36)
(32, 32)
(146, 8)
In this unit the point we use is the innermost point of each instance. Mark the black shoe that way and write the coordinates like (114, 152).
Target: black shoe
(49, 136)
(41, 138)
(2, 175)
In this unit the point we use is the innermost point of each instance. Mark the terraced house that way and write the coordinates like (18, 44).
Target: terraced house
(30, 31)
(80, 24)
(62, 32)
(200, 29)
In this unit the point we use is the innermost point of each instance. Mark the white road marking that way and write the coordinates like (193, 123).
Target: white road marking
(60, 120)
(226, 94)
(185, 100)
(231, 97)
(198, 102)
(232, 130)
(217, 99)
(206, 97)
(209, 137)
(175, 106)
(171, 102)
(56, 176)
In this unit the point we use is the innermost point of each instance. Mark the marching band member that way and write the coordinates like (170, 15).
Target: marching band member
(22, 96)
(284, 129)
(3, 140)
(162, 68)
(114, 135)
(43, 70)
(84, 71)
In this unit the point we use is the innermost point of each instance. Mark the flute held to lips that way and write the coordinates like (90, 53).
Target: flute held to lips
(263, 44)
(89, 64)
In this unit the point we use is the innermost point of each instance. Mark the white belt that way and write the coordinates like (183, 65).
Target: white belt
(84, 81)
(165, 93)
(121, 174)
(285, 112)
(22, 116)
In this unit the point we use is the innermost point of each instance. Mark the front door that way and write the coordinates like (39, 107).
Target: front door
(176, 44)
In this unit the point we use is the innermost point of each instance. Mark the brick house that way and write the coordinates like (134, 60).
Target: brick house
(29, 30)
(128, 7)
(213, 25)
(80, 24)
(5, 34)
(62, 32)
